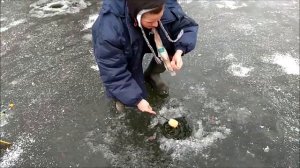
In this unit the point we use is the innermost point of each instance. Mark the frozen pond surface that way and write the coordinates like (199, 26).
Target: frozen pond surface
(239, 90)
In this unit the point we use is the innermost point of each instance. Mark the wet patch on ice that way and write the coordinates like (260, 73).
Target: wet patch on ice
(12, 24)
(121, 145)
(231, 4)
(115, 143)
(289, 64)
(12, 156)
(49, 8)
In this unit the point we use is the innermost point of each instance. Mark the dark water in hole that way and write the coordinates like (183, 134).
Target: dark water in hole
(56, 6)
(182, 131)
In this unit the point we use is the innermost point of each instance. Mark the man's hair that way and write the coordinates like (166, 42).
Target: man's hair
(135, 6)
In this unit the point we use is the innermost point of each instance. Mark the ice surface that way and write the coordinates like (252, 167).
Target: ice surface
(12, 24)
(12, 155)
(185, 1)
(90, 22)
(239, 70)
(48, 69)
(193, 144)
(289, 64)
(247, 29)
(95, 67)
(3, 19)
(49, 8)
(230, 5)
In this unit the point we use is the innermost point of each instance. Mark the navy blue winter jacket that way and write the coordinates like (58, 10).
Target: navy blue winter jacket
(119, 47)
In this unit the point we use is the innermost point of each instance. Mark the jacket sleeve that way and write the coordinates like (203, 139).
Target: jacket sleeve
(112, 63)
(188, 40)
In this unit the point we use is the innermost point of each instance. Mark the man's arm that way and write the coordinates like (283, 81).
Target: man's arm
(188, 40)
(113, 63)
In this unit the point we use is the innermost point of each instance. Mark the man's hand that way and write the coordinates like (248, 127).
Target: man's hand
(144, 106)
(176, 62)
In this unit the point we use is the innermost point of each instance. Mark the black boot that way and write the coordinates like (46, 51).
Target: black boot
(152, 76)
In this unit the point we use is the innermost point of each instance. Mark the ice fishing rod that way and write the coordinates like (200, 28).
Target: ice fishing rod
(163, 117)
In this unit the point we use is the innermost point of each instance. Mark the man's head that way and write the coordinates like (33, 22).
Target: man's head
(149, 19)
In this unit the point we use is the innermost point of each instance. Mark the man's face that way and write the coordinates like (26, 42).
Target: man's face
(150, 20)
